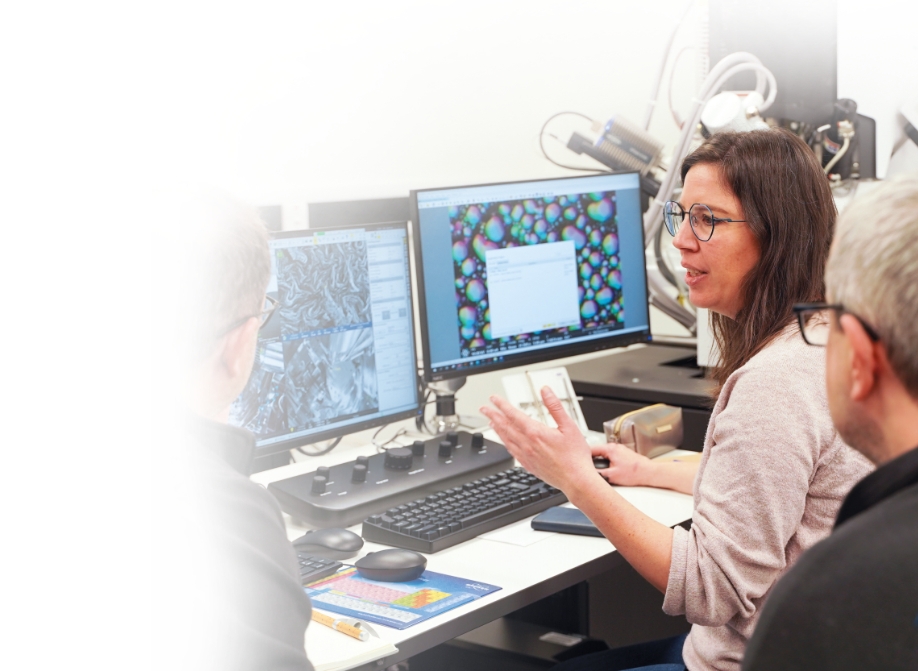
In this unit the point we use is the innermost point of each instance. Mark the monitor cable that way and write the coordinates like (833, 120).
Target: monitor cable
(381, 447)
(325, 449)
(421, 420)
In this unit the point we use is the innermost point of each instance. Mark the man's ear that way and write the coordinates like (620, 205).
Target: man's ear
(866, 358)
(236, 346)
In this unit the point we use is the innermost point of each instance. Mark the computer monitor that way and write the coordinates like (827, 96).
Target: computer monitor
(523, 272)
(338, 355)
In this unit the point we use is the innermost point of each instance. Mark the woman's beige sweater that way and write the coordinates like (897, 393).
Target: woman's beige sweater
(771, 479)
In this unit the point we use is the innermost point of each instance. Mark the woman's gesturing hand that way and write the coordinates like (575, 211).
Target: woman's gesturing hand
(559, 456)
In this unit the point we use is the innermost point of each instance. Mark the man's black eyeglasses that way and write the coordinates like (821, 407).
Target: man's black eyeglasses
(265, 316)
(701, 219)
(812, 316)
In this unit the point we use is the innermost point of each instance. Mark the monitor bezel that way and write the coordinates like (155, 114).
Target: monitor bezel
(517, 358)
(337, 432)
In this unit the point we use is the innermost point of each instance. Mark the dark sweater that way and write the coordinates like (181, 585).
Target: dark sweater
(225, 574)
(851, 602)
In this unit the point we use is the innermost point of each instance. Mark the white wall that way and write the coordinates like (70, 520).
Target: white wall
(298, 102)
(305, 101)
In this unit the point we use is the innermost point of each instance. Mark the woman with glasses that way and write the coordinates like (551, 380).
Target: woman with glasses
(753, 225)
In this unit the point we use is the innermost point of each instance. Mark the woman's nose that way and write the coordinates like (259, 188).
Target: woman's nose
(685, 238)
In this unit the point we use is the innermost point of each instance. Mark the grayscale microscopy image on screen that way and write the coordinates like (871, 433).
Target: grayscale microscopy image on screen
(330, 377)
(323, 286)
(258, 407)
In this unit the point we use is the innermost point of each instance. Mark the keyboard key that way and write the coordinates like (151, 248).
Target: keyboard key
(316, 568)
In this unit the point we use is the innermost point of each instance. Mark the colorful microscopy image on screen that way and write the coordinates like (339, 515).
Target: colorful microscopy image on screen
(588, 220)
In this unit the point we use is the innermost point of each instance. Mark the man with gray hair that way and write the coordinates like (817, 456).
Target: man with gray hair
(227, 592)
(851, 601)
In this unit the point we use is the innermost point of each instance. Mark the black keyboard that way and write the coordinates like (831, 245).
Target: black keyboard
(315, 568)
(455, 515)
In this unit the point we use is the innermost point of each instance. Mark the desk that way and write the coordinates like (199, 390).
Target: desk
(525, 573)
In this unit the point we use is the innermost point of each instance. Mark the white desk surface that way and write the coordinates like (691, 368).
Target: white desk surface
(525, 573)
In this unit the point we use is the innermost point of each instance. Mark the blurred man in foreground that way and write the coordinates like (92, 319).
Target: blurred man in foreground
(851, 602)
(226, 584)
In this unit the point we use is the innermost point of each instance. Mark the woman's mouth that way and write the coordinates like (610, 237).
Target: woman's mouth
(693, 276)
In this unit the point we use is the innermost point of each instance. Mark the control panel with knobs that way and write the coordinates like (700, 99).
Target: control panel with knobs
(348, 493)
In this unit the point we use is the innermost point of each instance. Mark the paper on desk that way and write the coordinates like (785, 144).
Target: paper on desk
(330, 650)
(519, 533)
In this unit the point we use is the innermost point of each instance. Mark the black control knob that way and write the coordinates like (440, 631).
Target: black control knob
(453, 437)
(417, 448)
(477, 442)
(318, 484)
(398, 458)
(359, 474)
(446, 449)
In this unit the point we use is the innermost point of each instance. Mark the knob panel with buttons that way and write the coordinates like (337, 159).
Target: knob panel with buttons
(348, 493)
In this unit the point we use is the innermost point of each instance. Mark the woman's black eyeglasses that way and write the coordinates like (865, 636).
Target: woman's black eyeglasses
(812, 317)
(701, 219)
(265, 316)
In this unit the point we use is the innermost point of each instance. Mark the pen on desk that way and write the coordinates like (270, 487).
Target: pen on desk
(340, 625)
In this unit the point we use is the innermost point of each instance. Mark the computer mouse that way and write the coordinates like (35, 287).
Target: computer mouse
(329, 543)
(600, 463)
(392, 565)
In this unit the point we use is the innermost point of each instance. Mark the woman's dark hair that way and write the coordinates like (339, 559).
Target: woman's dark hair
(788, 205)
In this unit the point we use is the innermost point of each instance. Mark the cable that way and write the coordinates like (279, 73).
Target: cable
(838, 155)
(381, 447)
(655, 92)
(421, 420)
(669, 92)
(545, 153)
(320, 451)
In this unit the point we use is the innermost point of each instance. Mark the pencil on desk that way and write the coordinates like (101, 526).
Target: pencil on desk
(338, 625)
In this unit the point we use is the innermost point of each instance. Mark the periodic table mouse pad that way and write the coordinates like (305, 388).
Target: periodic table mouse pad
(395, 604)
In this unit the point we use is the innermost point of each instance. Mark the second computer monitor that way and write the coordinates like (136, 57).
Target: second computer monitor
(523, 272)
(338, 355)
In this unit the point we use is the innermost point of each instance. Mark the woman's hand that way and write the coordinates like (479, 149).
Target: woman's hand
(560, 457)
(626, 467)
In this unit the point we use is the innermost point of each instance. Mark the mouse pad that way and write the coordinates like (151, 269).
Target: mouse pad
(395, 604)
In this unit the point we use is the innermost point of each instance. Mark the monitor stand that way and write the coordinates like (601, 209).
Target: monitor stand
(269, 461)
(446, 418)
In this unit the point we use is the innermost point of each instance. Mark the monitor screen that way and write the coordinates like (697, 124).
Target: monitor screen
(338, 354)
(522, 272)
